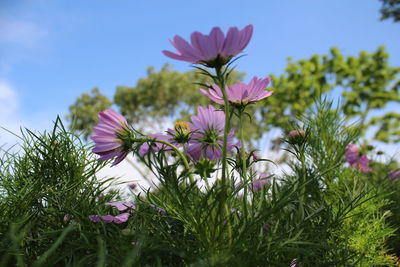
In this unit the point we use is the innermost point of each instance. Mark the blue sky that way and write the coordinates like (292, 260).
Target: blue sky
(53, 50)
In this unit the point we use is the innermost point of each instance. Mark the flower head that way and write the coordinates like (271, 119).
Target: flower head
(240, 94)
(121, 206)
(95, 218)
(67, 217)
(296, 136)
(394, 174)
(108, 136)
(356, 159)
(207, 134)
(214, 49)
(180, 134)
(257, 185)
(160, 210)
(132, 186)
(121, 218)
(144, 149)
(107, 218)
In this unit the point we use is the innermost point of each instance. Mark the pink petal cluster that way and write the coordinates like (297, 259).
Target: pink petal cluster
(106, 136)
(394, 174)
(121, 206)
(132, 185)
(240, 93)
(67, 217)
(356, 159)
(160, 210)
(155, 147)
(257, 185)
(295, 263)
(206, 49)
(296, 133)
(207, 134)
(120, 218)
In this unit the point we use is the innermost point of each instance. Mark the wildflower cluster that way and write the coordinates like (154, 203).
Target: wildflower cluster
(241, 198)
(208, 134)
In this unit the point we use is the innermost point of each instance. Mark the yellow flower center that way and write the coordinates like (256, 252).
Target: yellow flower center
(182, 127)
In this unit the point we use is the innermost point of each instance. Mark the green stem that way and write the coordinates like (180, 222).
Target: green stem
(180, 154)
(221, 85)
(244, 167)
(223, 207)
(303, 180)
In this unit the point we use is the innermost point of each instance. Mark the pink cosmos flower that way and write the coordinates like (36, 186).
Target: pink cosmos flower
(180, 134)
(258, 184)
(295, 263)
(132, 186)
(211, 50)
(296, 133)
(121, 206)
(94, 218)
(207, 134)
(107, 218)
(160, 210)
(356, 159)
(121, 218)
(154, 146)
(66, 218)
(240, 93)
(107, 136)
(394, 174)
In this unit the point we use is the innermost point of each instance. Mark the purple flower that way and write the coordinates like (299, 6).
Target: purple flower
(207, 134)
(94, 218)
(161, 211)
(107, 136)
(121, 218)
(211, 50)
(121, 206)
(154, 145)
(107, 218)
(356, 159)
(295, 263)
(352, 153)
(180, 134)
(66, 218)
(240, 93)
(257, 185)
(132, 186)
(394, 174)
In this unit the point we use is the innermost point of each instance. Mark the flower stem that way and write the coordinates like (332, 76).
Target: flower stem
(244, 167)
(221, 85)
(223, 207)
(180, 154)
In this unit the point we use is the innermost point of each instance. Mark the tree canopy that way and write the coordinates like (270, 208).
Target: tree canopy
(390, 9)
(364, 84)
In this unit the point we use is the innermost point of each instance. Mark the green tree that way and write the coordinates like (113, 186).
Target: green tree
(365, 83)
(162, 95)
(390, 9)
(83, 113)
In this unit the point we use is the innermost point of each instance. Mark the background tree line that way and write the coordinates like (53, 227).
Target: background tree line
(362, 84)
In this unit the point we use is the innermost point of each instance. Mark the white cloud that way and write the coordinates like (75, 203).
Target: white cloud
(12, 120)
(20, 32)
(8, 100)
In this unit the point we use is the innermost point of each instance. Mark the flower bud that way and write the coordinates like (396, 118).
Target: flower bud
(296, 136)
(181, 132)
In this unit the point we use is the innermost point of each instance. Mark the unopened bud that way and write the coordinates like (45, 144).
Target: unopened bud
(296, 136)
(182, 132)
